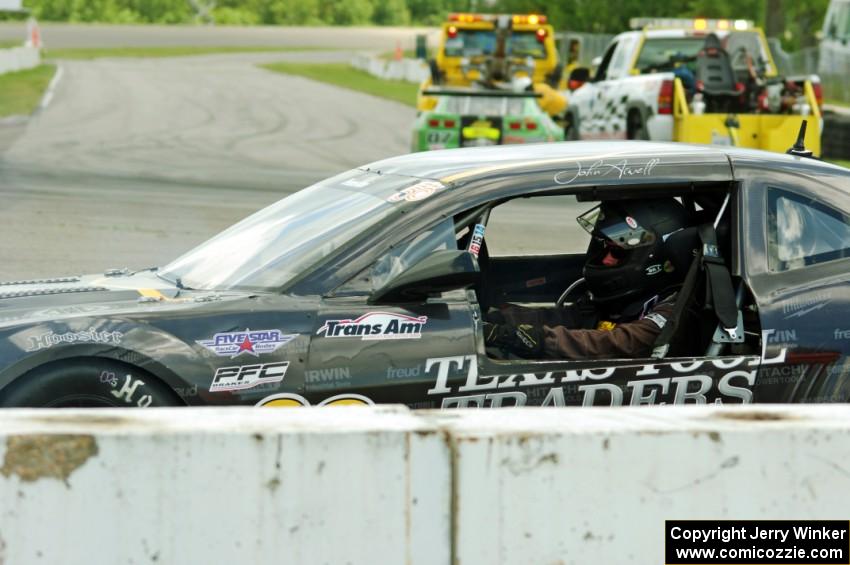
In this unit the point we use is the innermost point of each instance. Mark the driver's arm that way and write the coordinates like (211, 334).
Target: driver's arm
(627, 340)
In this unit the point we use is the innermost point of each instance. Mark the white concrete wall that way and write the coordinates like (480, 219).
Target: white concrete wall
(595, 485)
(384, 485)
(408, 70)
(18, 59)
(211, 486)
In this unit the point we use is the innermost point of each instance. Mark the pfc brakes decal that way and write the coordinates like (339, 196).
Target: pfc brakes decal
(289, 400)
(247, 376)
(252, 342)
(376, 326)
(477, 239)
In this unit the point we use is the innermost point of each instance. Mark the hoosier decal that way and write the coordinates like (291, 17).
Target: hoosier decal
(253, 342)
(376, 325)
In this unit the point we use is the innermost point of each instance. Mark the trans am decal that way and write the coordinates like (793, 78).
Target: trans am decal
(375, 326)
(247, 376)
(252, 342)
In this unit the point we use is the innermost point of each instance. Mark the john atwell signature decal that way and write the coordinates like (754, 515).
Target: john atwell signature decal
(622, 169)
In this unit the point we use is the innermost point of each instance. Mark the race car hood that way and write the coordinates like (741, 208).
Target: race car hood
(53, 298)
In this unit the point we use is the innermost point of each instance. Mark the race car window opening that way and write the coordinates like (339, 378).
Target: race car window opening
(283, 241)
(475, 43)
(535, 281)
(804, 232)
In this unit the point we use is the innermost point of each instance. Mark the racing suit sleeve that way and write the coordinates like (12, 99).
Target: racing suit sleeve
(626, 340)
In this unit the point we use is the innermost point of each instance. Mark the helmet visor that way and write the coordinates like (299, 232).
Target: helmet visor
(624, 232)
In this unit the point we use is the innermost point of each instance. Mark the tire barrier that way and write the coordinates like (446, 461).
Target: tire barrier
(377, 485)
(835, 138)
(19, 59)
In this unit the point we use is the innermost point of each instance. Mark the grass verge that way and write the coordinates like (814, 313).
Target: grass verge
(159, 52)
(21, 91)
(343, 74)
(843, 162)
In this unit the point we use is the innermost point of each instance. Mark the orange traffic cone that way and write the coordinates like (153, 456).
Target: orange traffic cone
(399, 54)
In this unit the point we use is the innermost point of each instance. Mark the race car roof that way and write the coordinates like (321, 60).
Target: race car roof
(592, 163)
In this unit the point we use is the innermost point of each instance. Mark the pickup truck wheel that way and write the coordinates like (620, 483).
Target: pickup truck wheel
(636, 126)
(88, 383)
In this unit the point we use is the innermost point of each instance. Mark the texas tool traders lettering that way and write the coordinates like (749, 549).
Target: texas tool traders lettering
(680, 383)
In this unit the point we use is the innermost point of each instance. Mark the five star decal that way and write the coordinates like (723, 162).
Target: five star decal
(252, 342)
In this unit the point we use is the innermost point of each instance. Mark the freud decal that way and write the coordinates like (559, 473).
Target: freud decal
(723, 380)
(256, 342)
(247, 376)
(376, 326)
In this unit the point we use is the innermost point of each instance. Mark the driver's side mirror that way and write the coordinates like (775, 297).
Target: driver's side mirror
(441, 271)
(578, 76)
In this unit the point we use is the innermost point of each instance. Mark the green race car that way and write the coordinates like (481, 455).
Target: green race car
(470, 118)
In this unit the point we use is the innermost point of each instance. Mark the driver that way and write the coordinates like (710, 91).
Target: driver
(638, 256)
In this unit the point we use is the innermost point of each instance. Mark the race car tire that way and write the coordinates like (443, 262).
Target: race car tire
(90, 383)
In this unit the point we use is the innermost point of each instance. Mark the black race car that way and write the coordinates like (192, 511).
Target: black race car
(370, 287)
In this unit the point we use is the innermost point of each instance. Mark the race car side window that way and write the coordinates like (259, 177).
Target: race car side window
(803, 232)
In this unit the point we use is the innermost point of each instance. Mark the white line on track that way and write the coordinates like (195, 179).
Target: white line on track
(51, 88)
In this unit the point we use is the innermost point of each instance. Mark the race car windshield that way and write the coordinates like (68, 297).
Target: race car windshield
(268, 249)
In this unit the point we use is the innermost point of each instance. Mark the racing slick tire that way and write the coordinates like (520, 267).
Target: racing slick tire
(89, 383)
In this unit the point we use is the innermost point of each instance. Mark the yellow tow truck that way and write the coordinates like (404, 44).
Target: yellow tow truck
(497, 51)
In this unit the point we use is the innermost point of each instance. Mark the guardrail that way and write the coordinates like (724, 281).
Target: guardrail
(408, 70)
(18, 59)
(385, 485)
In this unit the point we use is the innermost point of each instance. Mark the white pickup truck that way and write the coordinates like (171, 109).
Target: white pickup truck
(700, 81)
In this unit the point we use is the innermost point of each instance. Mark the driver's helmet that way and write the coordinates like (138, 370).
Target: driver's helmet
(637, 249)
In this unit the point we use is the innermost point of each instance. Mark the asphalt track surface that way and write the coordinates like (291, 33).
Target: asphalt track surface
(137, 160)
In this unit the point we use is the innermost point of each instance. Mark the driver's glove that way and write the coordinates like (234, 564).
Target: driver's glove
(524, 340)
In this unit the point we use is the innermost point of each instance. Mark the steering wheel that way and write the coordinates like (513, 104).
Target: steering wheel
(578, 284)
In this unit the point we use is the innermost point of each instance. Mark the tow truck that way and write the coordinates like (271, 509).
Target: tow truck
(492, 51)
(709, 81)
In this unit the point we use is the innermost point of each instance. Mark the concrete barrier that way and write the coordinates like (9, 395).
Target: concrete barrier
(408, 70)
(222, 486)
(595, 485)
(384, 485)
(19, 59)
